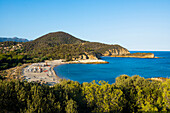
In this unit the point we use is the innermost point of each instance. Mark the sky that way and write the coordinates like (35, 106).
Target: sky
(133, 24)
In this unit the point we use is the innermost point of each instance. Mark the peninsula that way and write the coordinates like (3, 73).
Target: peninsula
(137, 55)
(61, 45)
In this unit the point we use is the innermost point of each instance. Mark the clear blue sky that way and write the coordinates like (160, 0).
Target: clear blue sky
(134, 24)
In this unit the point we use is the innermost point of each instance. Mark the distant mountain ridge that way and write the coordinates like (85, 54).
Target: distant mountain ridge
(61, 45)
(14, 39)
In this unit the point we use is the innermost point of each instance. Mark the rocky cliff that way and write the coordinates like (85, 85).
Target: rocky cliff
(106, 49)
(85, 56)
(120, 51)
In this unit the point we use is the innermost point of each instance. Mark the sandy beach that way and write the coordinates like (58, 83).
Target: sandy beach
(88, 61)
(43, 72)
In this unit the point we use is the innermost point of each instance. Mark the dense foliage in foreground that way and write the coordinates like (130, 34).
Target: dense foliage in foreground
(128, 94)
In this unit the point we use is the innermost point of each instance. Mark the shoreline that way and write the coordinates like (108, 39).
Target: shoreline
(136, 55)
(52, 69)
(88, 61)
(43, 72)
(54, 63)
(51, 78)
(133, 57)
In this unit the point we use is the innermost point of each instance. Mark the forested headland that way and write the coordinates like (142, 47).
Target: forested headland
(127, 94)
(52, 46)
(61, 45)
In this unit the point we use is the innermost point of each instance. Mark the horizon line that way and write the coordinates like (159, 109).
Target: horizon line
(146, 50)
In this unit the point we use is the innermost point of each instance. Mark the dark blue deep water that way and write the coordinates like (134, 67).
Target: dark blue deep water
(146, 68)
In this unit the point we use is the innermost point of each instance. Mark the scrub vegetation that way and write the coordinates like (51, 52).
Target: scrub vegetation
(52, 46)
(127, 94)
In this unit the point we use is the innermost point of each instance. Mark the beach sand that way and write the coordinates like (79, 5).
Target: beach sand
(47, 74)
(44, 73)
(88, 61)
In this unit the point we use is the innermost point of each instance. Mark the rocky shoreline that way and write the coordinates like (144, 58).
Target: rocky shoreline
(111, 53)
(136, 55)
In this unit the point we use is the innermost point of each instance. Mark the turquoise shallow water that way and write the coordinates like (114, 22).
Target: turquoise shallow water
(117, 66)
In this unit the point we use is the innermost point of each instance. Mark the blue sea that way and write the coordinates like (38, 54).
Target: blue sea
(147, 68)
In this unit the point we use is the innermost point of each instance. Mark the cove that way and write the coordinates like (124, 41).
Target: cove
(144, 67)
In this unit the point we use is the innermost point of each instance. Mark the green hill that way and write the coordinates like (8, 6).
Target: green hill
(61, 45)
(57, 45)
(52, 40)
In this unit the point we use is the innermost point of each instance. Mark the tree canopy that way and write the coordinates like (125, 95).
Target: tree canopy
(127, 94)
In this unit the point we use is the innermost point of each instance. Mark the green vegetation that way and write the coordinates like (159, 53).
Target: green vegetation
(52, 40)
(61, 45)
(52, 46)
(15, 58)
(9, 43)
(11, 59)
(102, 48)
(64, 51)
(128, 94)
(11, 54)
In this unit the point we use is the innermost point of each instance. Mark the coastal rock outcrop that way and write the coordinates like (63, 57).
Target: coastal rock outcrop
(149, 55)
(85, 56)
(92, 57)
(137, 55)
(120, 51)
